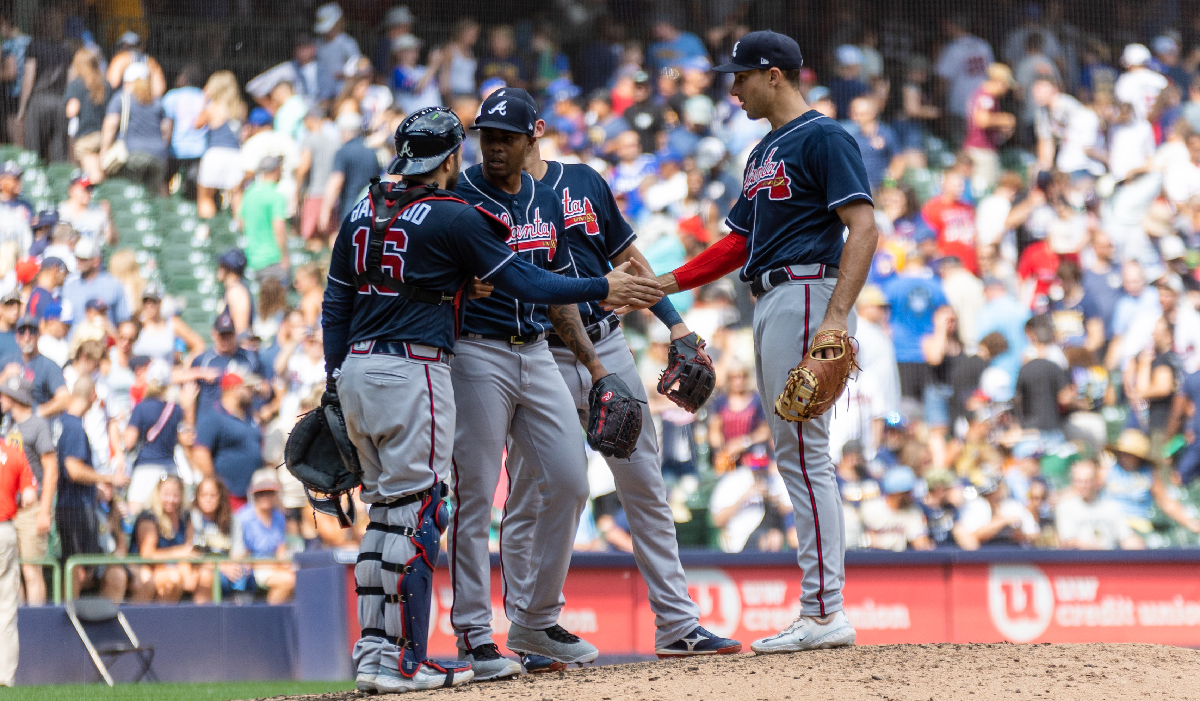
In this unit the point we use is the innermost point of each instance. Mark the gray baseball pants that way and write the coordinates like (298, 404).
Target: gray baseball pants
(785, 319)
(640, 488)
(512, 394)
(400, 415)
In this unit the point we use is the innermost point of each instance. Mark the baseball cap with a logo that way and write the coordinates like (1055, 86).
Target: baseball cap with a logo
(762, 50)
(508, 109)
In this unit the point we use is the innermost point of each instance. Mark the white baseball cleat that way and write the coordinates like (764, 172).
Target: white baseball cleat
(809, 633)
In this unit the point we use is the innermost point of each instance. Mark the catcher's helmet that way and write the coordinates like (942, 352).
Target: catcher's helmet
(426, 139)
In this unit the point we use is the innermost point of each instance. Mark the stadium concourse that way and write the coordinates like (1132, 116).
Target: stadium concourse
(1030, 340)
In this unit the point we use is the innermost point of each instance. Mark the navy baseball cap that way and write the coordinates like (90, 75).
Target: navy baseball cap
(765, 49)
(508, 109)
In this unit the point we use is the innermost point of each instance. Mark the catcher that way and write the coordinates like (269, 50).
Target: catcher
(612, 407)
(803, 234)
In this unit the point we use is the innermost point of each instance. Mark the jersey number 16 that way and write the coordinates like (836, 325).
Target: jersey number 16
(395, 242)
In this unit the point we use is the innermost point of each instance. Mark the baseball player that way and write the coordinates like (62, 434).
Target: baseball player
(509, 391)
(599, 238)
(393, 309)
(803, 233)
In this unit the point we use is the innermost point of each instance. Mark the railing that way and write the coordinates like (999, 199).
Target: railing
(93, 560)
(55, 576)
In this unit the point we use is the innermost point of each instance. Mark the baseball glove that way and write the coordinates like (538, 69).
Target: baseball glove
(321, 456)
(689, 378)
(614, 419)
(816, 383)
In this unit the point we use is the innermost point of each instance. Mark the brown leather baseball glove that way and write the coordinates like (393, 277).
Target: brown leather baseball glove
(816, 383)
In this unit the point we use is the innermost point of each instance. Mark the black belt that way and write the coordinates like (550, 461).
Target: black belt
(771, 279)
(404, 500)
(401, 349)
(518, 340)
(596, 331)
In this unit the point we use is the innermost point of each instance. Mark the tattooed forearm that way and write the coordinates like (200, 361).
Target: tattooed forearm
(571, 330)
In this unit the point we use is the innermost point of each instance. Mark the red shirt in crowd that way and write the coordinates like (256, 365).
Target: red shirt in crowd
(954, 223)
(978, 137)
(15, 476)
(1040, 264)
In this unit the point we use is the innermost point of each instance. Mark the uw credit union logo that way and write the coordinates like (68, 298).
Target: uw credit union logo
(1020, 601)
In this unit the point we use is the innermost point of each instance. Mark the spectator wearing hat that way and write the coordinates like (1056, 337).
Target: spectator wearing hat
(988, 127)
(264, 223)
(224, 357)
(672, 46)
(1086, 519)
(354, 165)
(52, 341)
(32, 434)
(318, 147)
(820, 100)
(42, 225)
(146, 131)
(95, 326)
(49, 392)
(228, 439)
(877, 354)
(645, 116)
(16, 214)
(893, 521)
(160, 333)
(47, 63)
(993, 519)
(262, 142)
(1137, 486)
(236, 298)
(335, 48)
(414, 86)
(848, 83)
(1138, 85)
(939, 508)
(17, 487)
(914, 295)
(79, 494)
(91, 219)
(132, 50)
(264, 536)
(397, 22)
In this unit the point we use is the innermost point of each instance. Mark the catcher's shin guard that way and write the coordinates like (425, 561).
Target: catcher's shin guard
(411, 544)
(369, 587)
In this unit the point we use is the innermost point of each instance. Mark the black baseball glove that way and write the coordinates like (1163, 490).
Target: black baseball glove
(614, 419)
(321, 456)
(689, 378)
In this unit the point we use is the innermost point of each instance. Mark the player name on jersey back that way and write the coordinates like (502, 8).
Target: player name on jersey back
(436, 243)
(794, 181)
(535, 222)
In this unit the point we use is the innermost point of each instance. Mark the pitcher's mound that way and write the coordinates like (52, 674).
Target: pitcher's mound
(944, 672)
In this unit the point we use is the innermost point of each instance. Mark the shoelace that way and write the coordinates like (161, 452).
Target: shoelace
(560, 635)
(486, 652)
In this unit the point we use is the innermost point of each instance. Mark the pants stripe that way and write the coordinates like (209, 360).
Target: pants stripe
(504, 517)
(804, 470)
(454, 556)
(432, 427)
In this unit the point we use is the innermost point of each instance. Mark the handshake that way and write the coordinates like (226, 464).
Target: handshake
(631, 286)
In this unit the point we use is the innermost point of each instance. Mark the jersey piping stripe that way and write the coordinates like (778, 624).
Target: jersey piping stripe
(340, 282)
(762, 145)
(861, 195)
(735, 227)
(812, 500)
(561, 169)
(496, 269)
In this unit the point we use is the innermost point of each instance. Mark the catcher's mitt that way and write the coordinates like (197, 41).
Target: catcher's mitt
(614, 419)
(321, 456)
(689, 378)
(816, 383)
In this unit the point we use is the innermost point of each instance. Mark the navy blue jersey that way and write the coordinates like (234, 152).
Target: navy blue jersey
(534, 218)
(435, 243)
(595, 230)
(795, 180)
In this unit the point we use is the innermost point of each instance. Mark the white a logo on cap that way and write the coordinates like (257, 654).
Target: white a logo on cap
(763, 61)
(735, 45)
(405, 151)
(502, 108)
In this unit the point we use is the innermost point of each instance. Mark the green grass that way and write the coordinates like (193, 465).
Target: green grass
(198, 691)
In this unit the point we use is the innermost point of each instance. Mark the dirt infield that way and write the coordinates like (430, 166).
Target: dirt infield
(867, 673)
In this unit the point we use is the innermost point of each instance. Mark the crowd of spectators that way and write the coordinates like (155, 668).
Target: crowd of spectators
(1029, 339)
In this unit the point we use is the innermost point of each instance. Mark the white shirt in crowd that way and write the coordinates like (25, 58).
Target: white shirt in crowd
(1130, 146)
(1077, 129)
(1099, 524)
(1181, 182)
(729, 490)
(889, 529)
(877, 357)
(964, 63)
(862, 403)
(1140, 88)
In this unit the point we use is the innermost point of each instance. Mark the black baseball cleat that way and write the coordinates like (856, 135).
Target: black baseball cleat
(700, 642)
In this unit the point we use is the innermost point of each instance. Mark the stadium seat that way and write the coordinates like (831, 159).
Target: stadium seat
(99, 614)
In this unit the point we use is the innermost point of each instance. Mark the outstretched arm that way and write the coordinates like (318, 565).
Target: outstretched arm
(571, 330)
(663, 309)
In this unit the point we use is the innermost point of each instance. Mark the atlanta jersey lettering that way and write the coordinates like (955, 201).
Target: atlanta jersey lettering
(596, 231)
(795, 180)
(534, 218)
(436, 243)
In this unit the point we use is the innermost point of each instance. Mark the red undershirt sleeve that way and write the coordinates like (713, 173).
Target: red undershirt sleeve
(716, 261)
